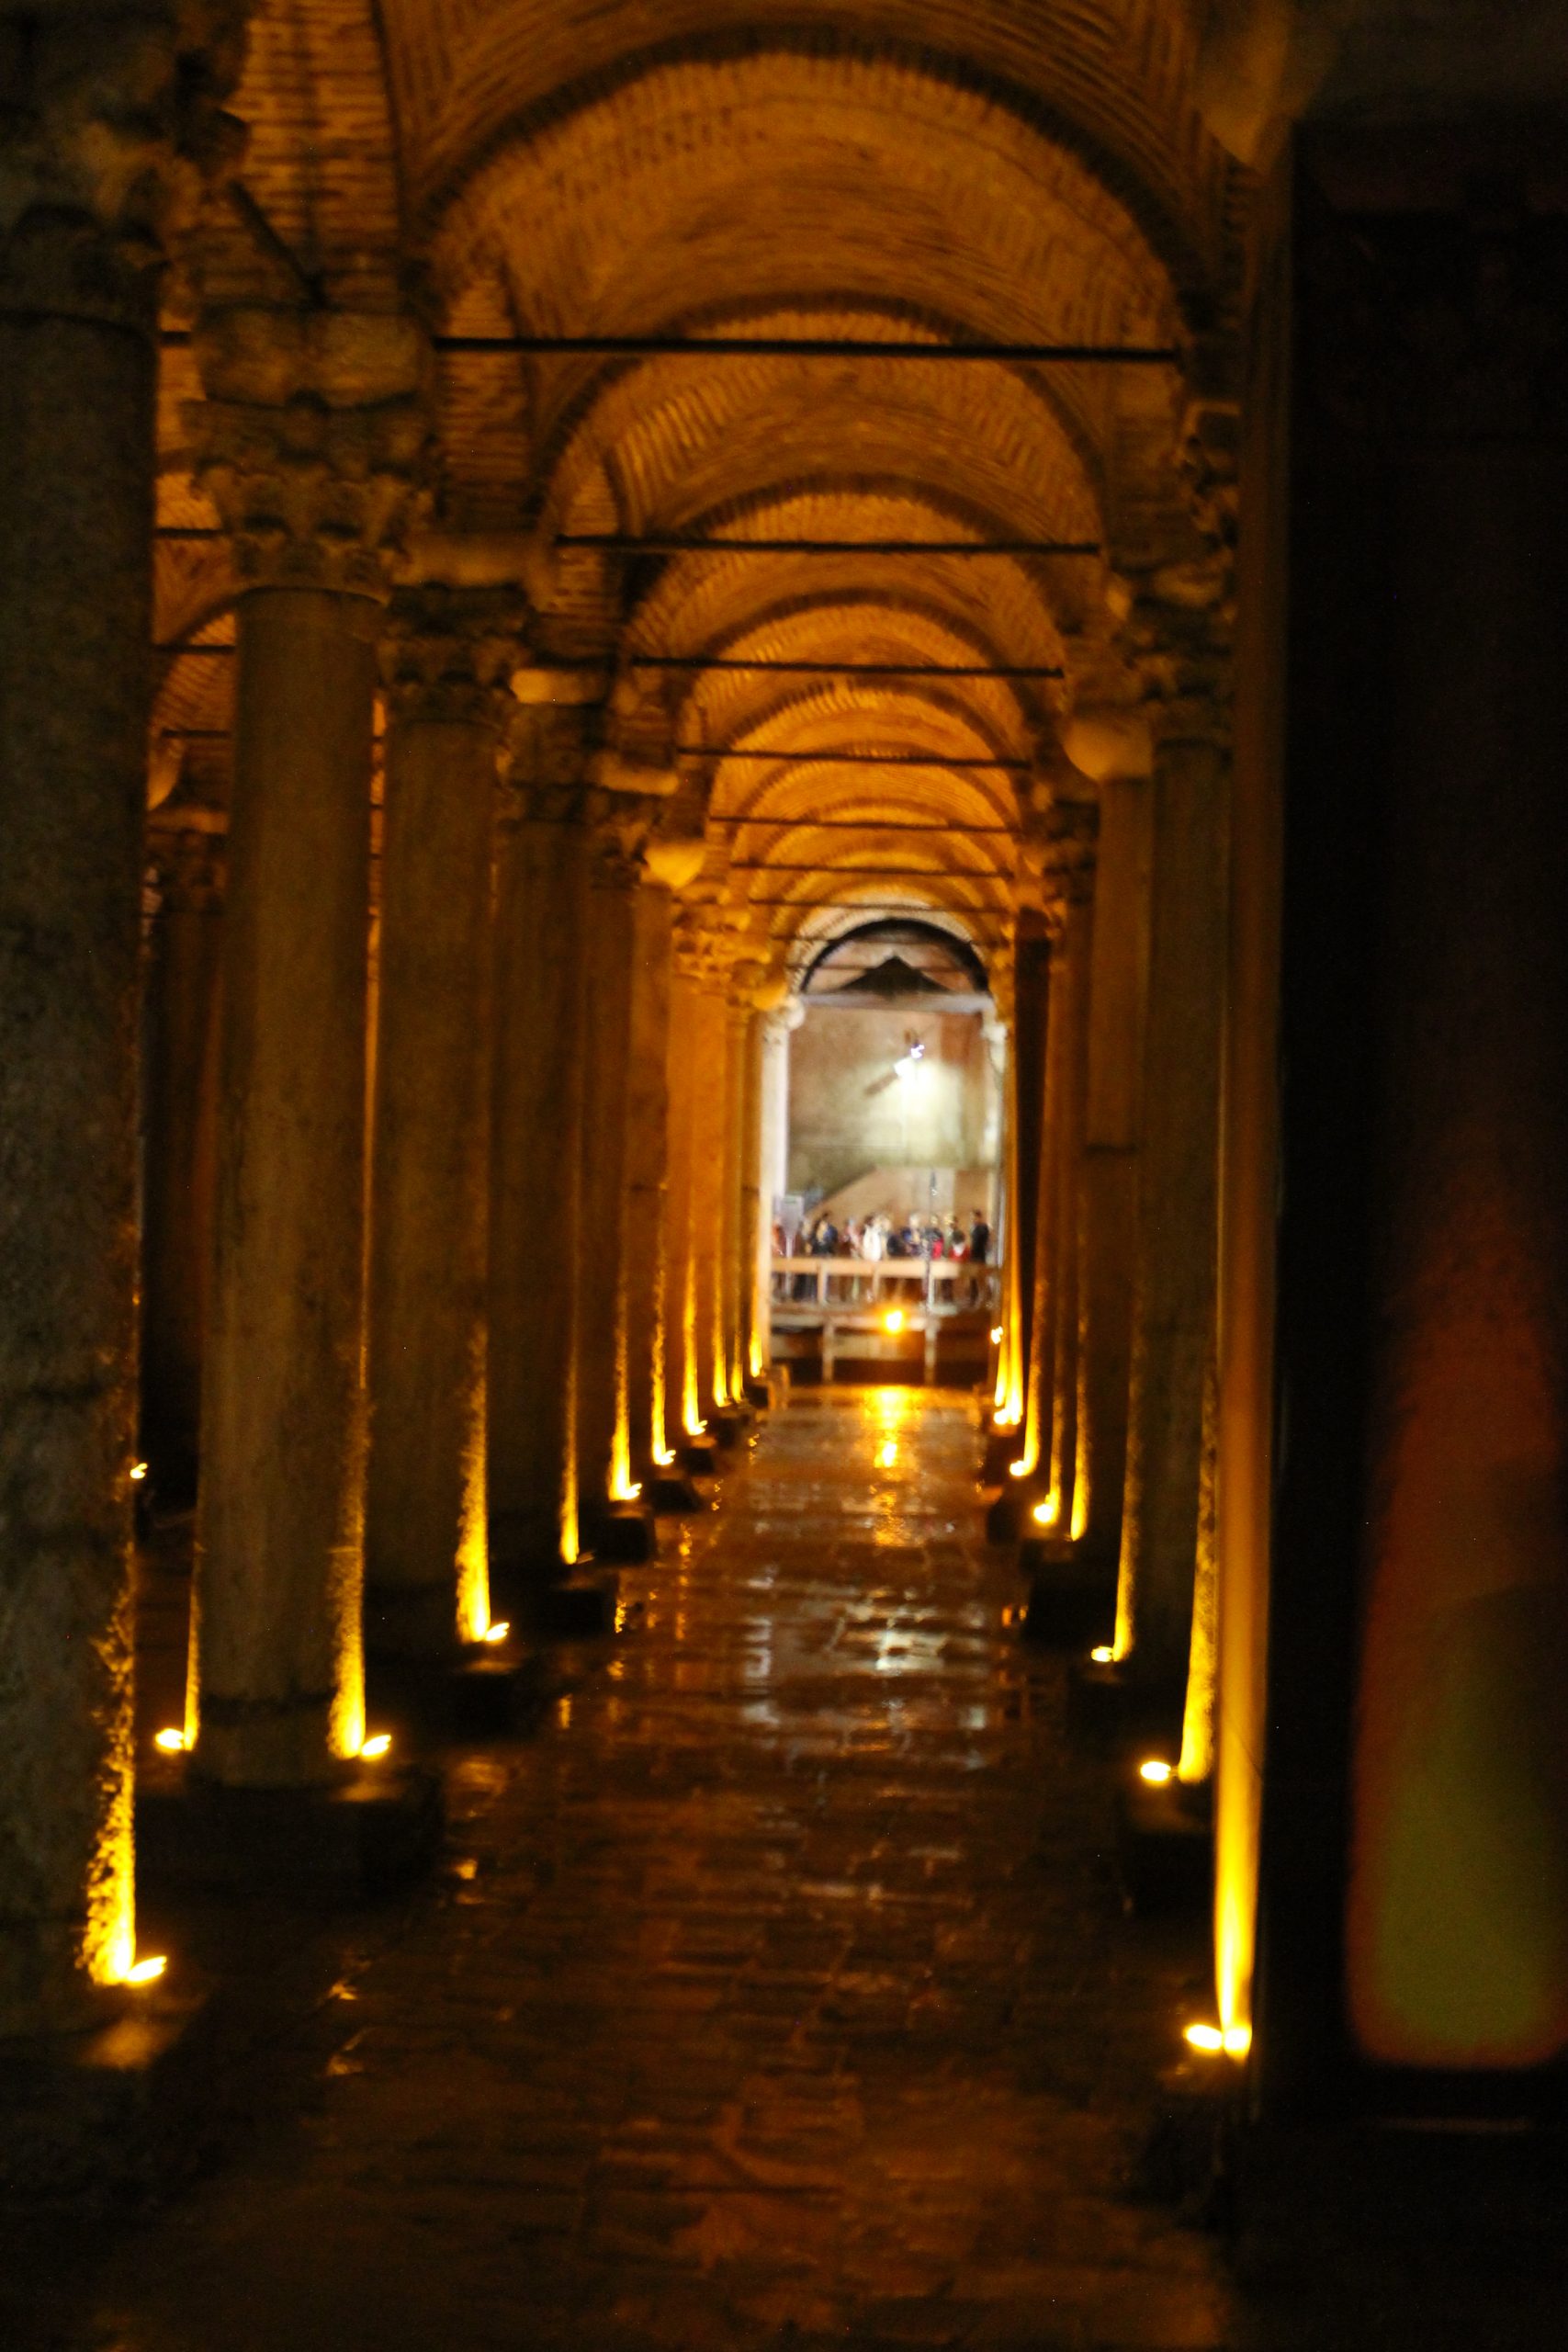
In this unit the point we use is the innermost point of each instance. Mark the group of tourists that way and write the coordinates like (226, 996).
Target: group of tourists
(874, 1239)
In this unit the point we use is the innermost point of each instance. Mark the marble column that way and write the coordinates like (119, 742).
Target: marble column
(710, 1116)
(445, 658)
(650, 1415)
(1031, 996)
(618, 825)
(737, 1250)
(1118, 1005)
(680, 1363)
(1072, 1001)
(180, 1102)
(773, 1033)
(1177, 1214)
(78, 361)
(276, 1691)
(535, 1166)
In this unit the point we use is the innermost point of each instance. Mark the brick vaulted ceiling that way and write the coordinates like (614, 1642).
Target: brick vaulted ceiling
(901, 170)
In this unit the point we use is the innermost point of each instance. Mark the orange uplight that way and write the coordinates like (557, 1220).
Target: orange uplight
(1044, 1514)
(498, 1631)
(139, 1471)
(1018, 1469)
(172, 1742)
(1103, 1655)
(893, 1319)
(378, 1746)
(147, 1971)
(1157, 1772)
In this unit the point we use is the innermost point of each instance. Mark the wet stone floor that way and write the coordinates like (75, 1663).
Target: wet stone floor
(776, 1992)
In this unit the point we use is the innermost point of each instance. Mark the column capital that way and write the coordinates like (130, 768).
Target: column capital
(619, 824)
(447, 654)
(312, 442)
(188, 868)
(549, 747)
(114, 123)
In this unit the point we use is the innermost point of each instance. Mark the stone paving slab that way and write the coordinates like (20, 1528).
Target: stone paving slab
(776, 1993)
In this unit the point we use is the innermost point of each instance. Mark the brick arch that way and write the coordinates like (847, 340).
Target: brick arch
(668, 439)
(1113, 84)
(322, 158)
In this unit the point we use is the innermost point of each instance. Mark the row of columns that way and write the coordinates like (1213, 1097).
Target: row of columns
(483, 1244)
(1107, 1351)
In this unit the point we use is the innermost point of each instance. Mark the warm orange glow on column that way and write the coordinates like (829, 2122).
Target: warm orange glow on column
(692, 1418)
(473, 1541)
(570, 1533)
(109, 1943)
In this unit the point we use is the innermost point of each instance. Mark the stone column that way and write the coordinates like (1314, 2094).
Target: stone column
(180, 1102)
(774, 1034)
(535, 1171)
(313, 475)
(1060, 1495)
(649, 1416)
(1118, 1004)
(1178, 1212)
(445, 658)
(1029, 993)
(710, 1116)
(690, 1403)
(737, 1246)
(93, 169)
(618, 825)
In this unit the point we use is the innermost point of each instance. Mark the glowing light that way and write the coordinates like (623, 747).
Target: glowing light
(887, 1459)
(1104, 1655)
(498, 1631)
(997, 1336)
(1206, 2038)
(138, 1470)
(1237, 2039)
(1018, 1469)
(147, 1971)
(1044, 1514)
(1157, 1772)
(893, 1319)
(380, 1745)
(663, 1458)
(172, 1742)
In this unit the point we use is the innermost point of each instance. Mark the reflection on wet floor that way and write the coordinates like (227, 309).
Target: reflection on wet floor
(776, 1992)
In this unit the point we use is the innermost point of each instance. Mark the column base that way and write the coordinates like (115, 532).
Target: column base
(700, 1455)
(477, 1694)
(672, 1491)
(729, 1424)
(1165, 1845)
(373, 1830)
(123, 2110)
(578, 1608)
(1108, 1704)
(624, 1533)
(1007, 1516)
(1071, 1602)
(760, 1394)
(1001, 1447)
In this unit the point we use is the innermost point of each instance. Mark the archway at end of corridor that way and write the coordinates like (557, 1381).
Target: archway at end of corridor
(882, 1161)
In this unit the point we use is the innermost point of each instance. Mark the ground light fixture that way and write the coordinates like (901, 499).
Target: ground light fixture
(138, 1471)
(147, 1971)
(1018, 1469)
(1157, 1771)
(1044, 1514)
(170, 1741)
(377, 1746)
(1220, 2042)
(498, 1631)
(893, 1319)
(1103, 1655)
(997, 1336)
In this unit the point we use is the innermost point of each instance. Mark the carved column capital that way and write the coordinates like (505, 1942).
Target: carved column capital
(188, 868)
(111, 121)
(447, 654)
(619, 825)
(312, 442)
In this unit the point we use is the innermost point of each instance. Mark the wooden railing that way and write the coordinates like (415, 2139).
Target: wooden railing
(814, 1286)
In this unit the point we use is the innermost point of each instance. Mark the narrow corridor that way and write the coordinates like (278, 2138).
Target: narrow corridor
(776, 1992)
